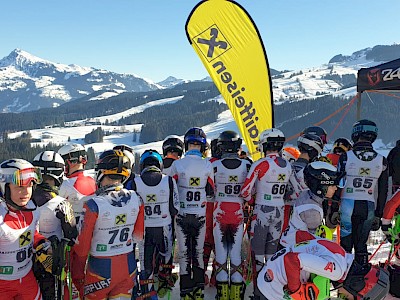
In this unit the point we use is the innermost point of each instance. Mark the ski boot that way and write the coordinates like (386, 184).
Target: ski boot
(166, 283)
(236, 291)
(198, 293)
(222, 290)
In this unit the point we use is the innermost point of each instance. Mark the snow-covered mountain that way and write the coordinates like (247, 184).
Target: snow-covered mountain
(28, 82)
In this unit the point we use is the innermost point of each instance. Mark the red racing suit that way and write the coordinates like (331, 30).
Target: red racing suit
(291, 267)
(76, 189)
(18, 237)
(112, 221)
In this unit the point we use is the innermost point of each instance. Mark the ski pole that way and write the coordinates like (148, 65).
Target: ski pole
(376, 251)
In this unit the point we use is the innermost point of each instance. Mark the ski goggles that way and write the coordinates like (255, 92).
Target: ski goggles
(23, 177)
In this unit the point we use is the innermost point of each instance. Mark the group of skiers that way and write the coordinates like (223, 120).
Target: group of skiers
(87, 234)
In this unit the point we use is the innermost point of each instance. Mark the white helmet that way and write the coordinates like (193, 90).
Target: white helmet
(271, 140)
(74, 153)
(51, 164)
(19, 172)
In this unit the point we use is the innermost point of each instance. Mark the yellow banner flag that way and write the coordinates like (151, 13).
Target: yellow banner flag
(227, 41)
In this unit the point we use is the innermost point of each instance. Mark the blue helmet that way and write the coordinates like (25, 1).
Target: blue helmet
(195, 135)
(151, 158)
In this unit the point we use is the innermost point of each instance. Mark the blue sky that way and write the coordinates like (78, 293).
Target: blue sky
(147, 37)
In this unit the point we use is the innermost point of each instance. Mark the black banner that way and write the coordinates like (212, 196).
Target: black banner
(382, 77)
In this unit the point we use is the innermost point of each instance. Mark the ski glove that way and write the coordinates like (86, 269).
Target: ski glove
(386, 230)
(376, 224)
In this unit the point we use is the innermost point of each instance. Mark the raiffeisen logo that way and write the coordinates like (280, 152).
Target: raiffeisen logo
(213, 45)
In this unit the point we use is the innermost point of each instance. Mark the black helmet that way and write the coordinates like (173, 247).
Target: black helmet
(367, 282)
(341, 144)
(151, 158)
(364, 129)
(172, 143)
(319, 175)
(113, 163)
(229, 142)
(215, 149)
(310, 144)
(319, 131)
(195, 135)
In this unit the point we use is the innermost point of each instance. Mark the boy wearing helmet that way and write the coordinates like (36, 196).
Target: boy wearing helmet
(195, 179)
(340, 146)
(267, 180)
(172, 150)
(128, 151)
(57, 221)
(366, 170)
(322, 180)
(18, 230)
(77, 186)
(287, 274)
(161, 204)
(229, 172)
(113, 221)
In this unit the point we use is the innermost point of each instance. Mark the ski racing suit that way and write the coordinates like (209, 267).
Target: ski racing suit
(161, 204)
(18, 237)
(113, 220)
(209, 244)
(230, 173)
(298, 167)
(267, 179)
(366, 173)
(167, 163)
(77, 188)
(195, 179)
(307, 215)
(287, 271)
(56, 223)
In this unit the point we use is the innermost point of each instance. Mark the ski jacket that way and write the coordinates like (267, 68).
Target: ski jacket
(230, 174)
(307, 215)
(268, 179)
(390, 208)
(160, 197)
(76, 189)
(167, 163)
(366, 170)
(111, 220)
(18, 237)
(288, 268)
(195, 179)
(56, 214)
(393, 159)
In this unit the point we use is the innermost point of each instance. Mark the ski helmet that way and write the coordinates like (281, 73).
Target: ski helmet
(310, 144)
(271, 140)
(50, 164)
(195, 135)
(113, 163)
(172, 143)
(341, 145)
(229, 142)
(364, 129)
(319, 175)
(128, 151)
(19, 172)
(370, 284)
(151, 158)
(319, 131)
(291, 154)
(215, 149)
(75, 153)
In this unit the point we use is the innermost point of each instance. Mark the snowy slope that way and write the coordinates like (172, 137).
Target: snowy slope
(28, 82)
